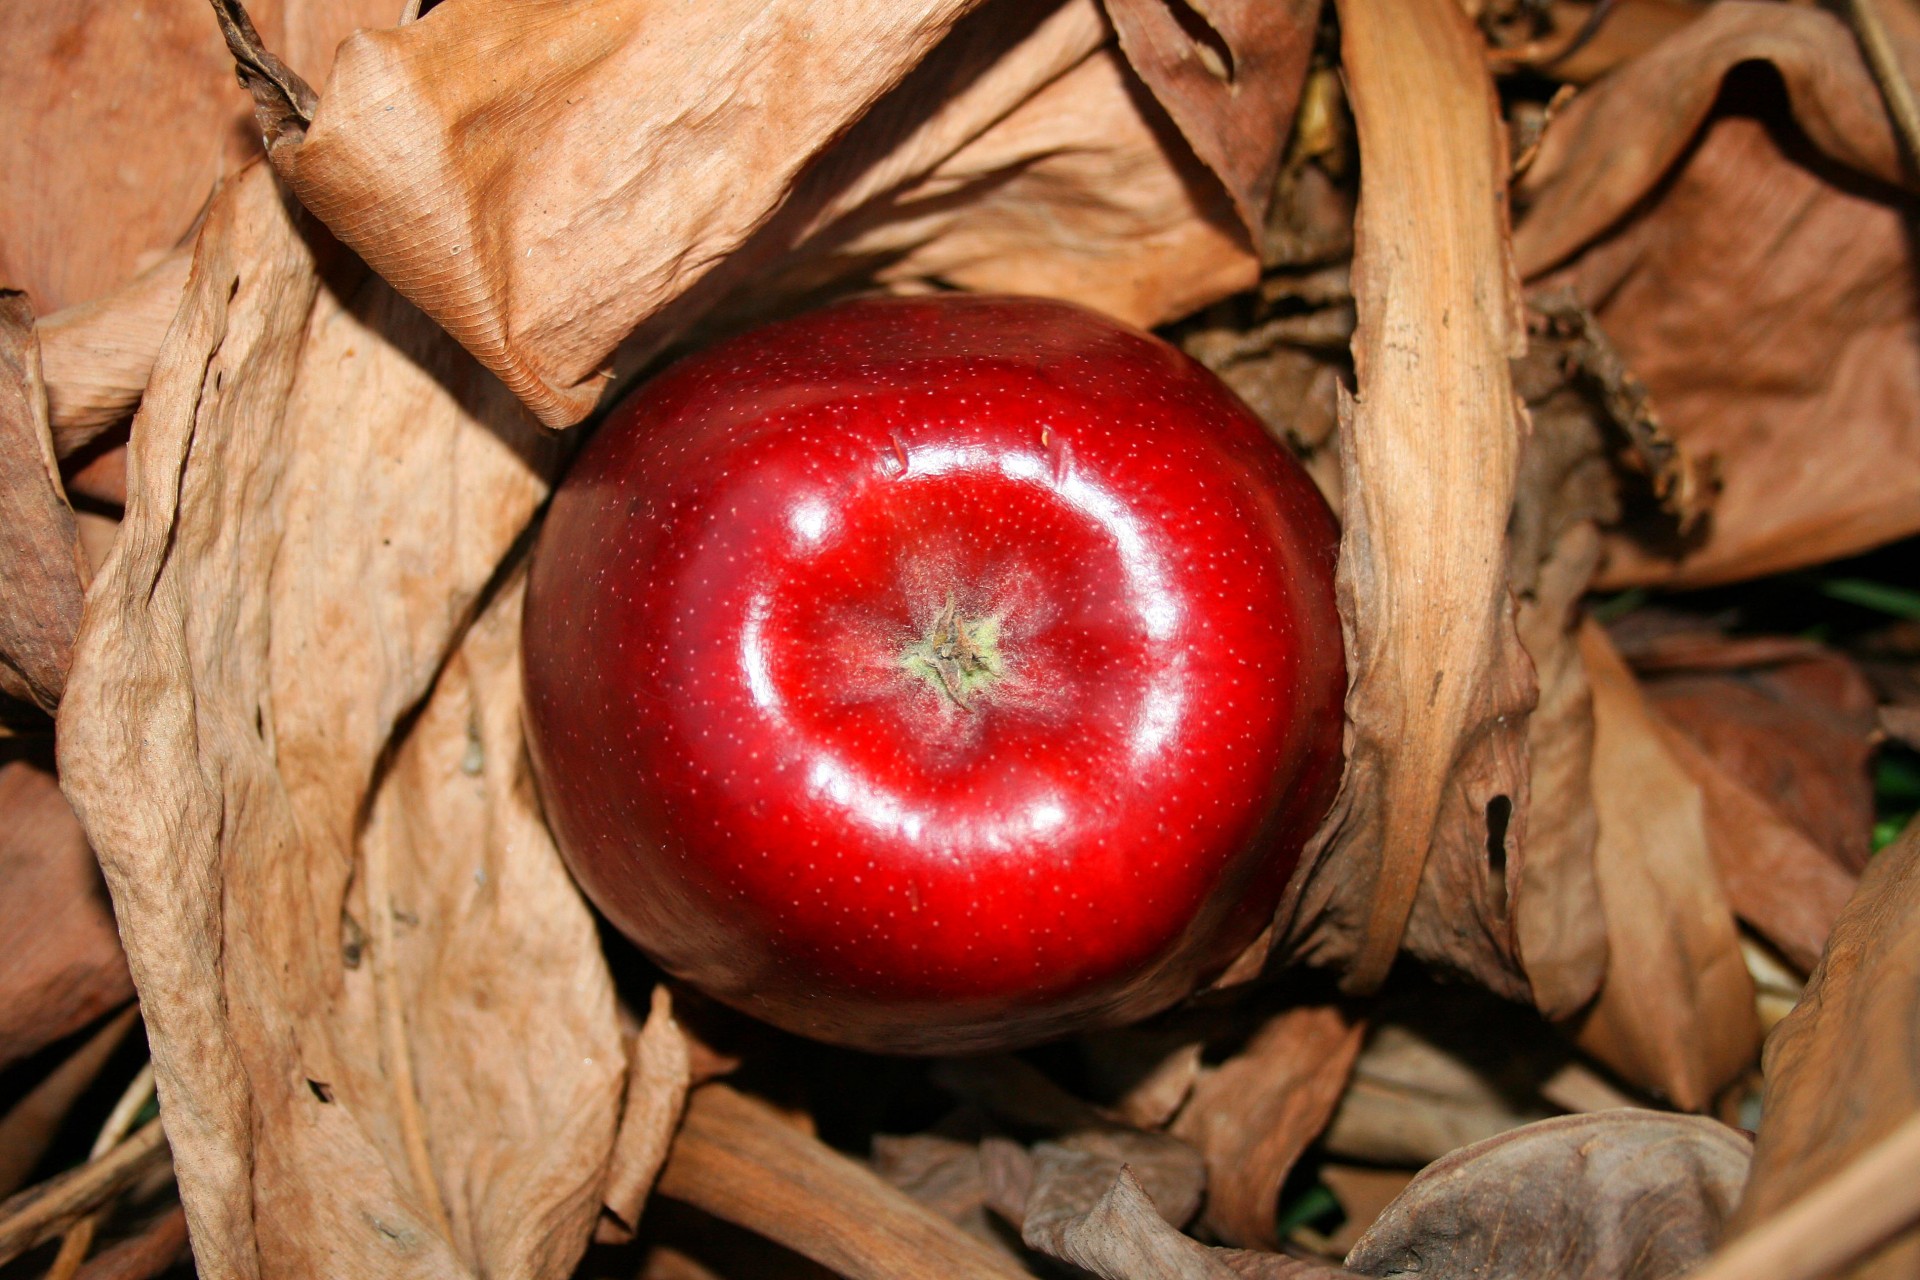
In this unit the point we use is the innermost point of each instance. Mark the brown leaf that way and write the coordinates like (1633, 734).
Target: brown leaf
(1084, 192)
(1754, 345)
(1229, 72)
(1439, 684)
(737, 1160)
(288, 583)
(1121, 1235)
(657, 1084)
(116, 120)
(631, 170)
(1254, 1114)
(1840, 1070)
(62, 967)
(98, 355)
(1797, 731)
(1616, 1195)
(40, 557)
(1676, 1013)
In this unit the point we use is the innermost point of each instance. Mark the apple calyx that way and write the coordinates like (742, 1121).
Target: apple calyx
(959, 656)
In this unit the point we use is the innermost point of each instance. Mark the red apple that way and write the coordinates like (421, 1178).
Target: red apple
(936, 674)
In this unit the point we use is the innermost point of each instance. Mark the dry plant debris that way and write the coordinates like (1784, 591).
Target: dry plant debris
(1554, 300)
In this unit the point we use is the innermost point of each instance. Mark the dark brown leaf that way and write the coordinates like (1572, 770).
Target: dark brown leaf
(1616, 1195)
(1229, 72)
(1840, 1070)
(1784, 351)
(1254, 1114)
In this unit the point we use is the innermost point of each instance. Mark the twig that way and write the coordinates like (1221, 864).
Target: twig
(1877, 45)
(159, 1245)
(1862, 1206)
(79, 1237)
(740, 1161)
(40, 1213)
(394, 1050)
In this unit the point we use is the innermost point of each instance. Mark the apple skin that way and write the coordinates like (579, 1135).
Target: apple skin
(753, 778)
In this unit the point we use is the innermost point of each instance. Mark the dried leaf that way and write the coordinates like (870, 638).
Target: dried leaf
(116, 120)
(1796, 731)
(657, 1087)
(1119, 1236)
(1616, 1195)
(1583, 181)
(1676, 1013)
(40, 557)
(1840, 1071)
(1229, 72)
(33, 1119)
(287, 585)
(1783, 351)
(1085, 193)
(737, 1160)
(98, 355)
(1254, 1114)
(61, 968)
(1439, 684)
(644, 146)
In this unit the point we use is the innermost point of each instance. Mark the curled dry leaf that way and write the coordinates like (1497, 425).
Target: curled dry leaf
(1254, 1114)
(40, 558)
(1121, 1235)
(1676, 1012)
(739, 1160)
(62, 967)
(98, 355)
(1229, 72)
(612, 174)
(1436, 773)
(1840, 1070)
(657, 1083)
(287, 585)
(1784, 350)
(1084, 192)
(1616, 1195)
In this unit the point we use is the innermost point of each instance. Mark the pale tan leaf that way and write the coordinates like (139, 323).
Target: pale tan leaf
(286, 587)
(1676, 1013)
(541, 218)
(657, 1084)
(1436, 768)
(97, 355)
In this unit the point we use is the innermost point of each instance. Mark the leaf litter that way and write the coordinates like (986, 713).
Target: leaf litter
(385, 1032)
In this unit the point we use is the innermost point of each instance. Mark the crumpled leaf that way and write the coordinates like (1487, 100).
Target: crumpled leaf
(1783, 351)
(1253, 1115)
(1229, 72)
(1439, 686)
(340, 917)
(657, 1085)
(1616, 1195)
(1840, 1070)
(61, 967)
(1084, 192)
(40, 557)
(1676, 1012)
(98, 355)
(639, 150)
